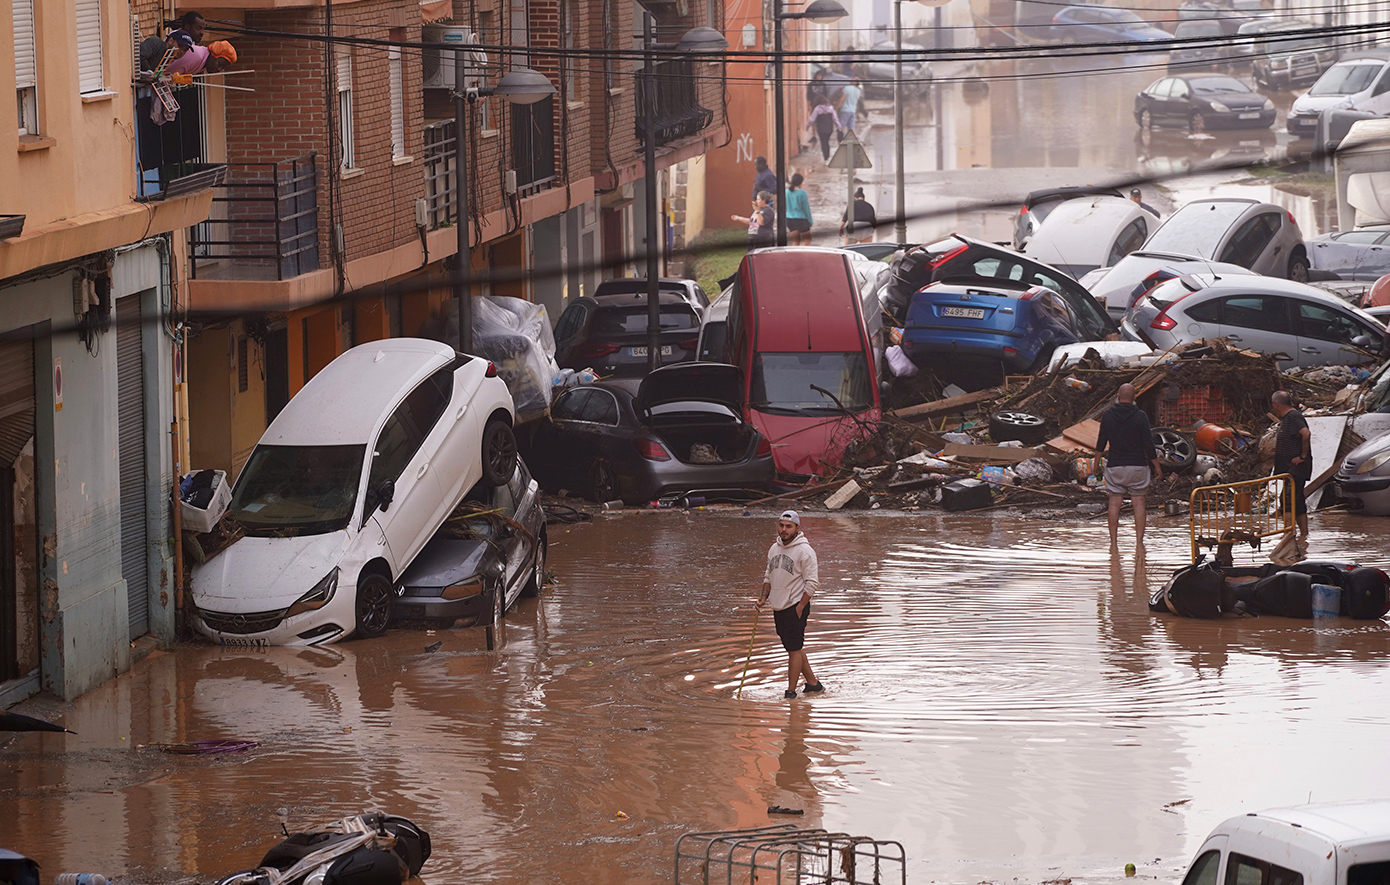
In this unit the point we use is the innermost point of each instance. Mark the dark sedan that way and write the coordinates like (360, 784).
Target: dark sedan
(1361, 254)
(608, 333)
(680, 430)
(1201, 102)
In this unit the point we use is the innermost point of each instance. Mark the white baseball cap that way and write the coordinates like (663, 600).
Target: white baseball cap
(790, 516)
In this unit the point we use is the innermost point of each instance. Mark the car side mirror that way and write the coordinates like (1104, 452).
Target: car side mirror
(1362, 341)
(385, 493)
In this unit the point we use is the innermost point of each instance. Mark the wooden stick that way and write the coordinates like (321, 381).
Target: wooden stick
(749, 659)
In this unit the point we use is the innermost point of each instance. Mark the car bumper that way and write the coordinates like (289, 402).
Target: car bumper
(270, 628)
(433, 607)
(1302, 126)
(924, 353)
(657, 478)
(1233, 120)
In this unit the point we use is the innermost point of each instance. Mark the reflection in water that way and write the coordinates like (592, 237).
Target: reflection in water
(998, 698)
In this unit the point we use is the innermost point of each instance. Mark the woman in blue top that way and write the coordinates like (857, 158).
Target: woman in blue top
(798, 212)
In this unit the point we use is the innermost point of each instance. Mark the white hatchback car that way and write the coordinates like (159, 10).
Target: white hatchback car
(1085, 233)
(1336, 843)
(346, 486)
(1261, 236)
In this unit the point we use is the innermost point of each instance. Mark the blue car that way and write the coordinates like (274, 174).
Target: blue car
(1103, 24)
(1015, 325)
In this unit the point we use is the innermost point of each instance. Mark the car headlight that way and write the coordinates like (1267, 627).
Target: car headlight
(1268, 105)
(1373, 462)
(1220, 108)
(316, 598)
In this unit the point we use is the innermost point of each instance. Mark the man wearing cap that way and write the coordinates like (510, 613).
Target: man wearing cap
(792, 577)
(1138, 196)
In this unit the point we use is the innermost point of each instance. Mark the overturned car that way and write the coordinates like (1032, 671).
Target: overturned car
(1309, 589)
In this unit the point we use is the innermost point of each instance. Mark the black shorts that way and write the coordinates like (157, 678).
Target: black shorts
(800, 225)
(790, 628)
(1295, 488)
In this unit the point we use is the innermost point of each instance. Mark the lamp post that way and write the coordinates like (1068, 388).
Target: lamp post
(816, 11)
(900, 176)
(519, 86)
(696, 40)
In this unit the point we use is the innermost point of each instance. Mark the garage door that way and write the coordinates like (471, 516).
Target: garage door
(16, 427)
(130, 415)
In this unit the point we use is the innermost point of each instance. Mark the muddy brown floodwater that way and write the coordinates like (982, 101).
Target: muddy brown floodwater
(998, 699)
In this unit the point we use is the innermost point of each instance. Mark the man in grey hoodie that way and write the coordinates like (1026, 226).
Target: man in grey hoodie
(1124, 428)
(792, 577)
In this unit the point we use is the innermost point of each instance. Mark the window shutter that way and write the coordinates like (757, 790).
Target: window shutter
(344, 61)
(397, 103)
(89, 63)
(25, 69)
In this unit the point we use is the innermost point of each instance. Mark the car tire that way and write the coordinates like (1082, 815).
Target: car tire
(499, 452)
(1196, 123)
(1298, 268)
(1176, 453)
(603, 481)
(1020, 426)
(533, 586)
(1146, 119)
(375, 599)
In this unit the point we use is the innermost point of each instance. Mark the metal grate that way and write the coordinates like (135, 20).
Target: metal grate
(1241, 511)
(264, 223)
(785, 855)
(242, 624)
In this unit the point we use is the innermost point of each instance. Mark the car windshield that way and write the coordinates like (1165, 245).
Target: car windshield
(1217, 85)
(298, 490)
(633, 320)
(1347, 79)
(783, 383)
(1196, 229)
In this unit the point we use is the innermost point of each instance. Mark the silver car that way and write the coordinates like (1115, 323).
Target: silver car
(1364, 477)
(1261, 236)
(1296, 323)
(1118, 288)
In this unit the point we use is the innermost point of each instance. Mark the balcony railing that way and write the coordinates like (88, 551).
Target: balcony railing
(533, 158)
(678, 110)
(171, 157)
(441, 164)
(264, 223)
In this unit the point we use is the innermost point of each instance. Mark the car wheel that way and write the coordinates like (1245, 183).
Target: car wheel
(1298, 268)
(1021, 426)
(533, 586)
(499, 452)
(1176, 453)
(1197, 123)
(1146, 119)
(603, 481)
(375, 598)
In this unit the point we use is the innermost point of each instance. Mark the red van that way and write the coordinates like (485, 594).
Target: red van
(796, 329)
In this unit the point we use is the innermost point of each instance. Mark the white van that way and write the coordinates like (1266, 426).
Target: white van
(1359, 82)
(1346, 843)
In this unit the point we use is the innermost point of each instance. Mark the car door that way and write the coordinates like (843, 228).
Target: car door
(1325, 336)
(1353, 255)
(452, 442)
(549, 452)
(415, 496)
(1259, 323)
(1157, 100)
(1177, 107)
(1378, 102)
(1253, 244)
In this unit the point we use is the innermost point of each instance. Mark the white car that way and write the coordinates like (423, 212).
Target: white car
(1261, 236)
(1118, 288)
(1341, 843)
(1359, 81)
(1085, 233)
(346, 486)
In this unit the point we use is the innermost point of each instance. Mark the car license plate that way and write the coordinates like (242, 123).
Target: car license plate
(1253, 115)
(642, 351)
(965, 313)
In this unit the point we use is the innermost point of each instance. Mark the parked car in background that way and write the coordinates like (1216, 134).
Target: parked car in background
(346, 486)
(1363, 478)
(681, 429)
(973, 333)
(1361, 254)
(1199, 102)
(489, 554)
(1209, 48)
(1117, 288)
(1083, 234)
(1285, 59)
(1297, 323)
(880, 71)
(1261, 236)
(1360, 81)
(1228, 19)
(688, 289)
(1103, 24)
(608, 333)
(1343, 843)
(1040, 203)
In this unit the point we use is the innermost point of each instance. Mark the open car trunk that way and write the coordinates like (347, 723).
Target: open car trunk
(696, 410)
(708, 443)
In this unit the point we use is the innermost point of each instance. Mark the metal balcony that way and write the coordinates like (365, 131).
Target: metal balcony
(264, 224)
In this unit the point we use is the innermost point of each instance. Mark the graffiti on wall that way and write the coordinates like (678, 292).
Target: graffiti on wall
(745, 148)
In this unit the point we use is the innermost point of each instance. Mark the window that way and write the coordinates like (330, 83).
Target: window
(298, 490)
(1131, 238)
(783, 383)
(1250, 240)
(1326, 323)
(1206, 312)
(1359, 237)
(25, 69)
(1243, 870)
(243, 370)
(89, 63)
(488, 34)
(521, 29)
(1257, 312)
(393, 57)
(1369, 873)
(571, 321)
(1161, 89)
(601, 408)
(349, 161)
(1204, 869)
(1180, 89)
(406, 429)
(569, 406)
(614, 321)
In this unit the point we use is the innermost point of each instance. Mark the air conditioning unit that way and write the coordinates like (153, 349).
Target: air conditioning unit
(438, 62)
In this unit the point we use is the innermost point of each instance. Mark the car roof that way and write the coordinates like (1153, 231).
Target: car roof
(630, 299)
(804, 281)
(1365, 55)
(1262, 285)
(1341, 822)
(1069, 192)
(624, 285)
(350, 397)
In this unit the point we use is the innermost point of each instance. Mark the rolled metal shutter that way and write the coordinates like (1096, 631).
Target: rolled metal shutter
(16, 398)
(130, 422)
(24, 67)
(90, 77)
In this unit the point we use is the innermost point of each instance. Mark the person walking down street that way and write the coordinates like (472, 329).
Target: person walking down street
(762, 223)
(791, 579)
(1293, 454)
(798, 212)
(1137, 196)
(764, 179)
(824, 122)
(861, 229)
(1124, 430)
(848, 106)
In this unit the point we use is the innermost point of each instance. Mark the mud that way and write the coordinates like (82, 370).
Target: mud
(998, 699)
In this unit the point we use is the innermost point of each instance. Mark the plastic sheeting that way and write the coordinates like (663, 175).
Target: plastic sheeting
(517, 337)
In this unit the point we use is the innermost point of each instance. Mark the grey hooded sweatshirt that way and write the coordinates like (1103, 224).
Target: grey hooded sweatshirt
(792, 572)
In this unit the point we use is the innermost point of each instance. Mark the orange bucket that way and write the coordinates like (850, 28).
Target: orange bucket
(1214, 438)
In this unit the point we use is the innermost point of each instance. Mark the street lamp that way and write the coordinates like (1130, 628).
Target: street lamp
(696, 40)
(518, 86)
(816, 11)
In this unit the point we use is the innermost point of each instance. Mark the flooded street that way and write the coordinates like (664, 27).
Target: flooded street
(998, 699)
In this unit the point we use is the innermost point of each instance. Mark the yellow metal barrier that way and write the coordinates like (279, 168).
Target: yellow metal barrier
(1241, 511)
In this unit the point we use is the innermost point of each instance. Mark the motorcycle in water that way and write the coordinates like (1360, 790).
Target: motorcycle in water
(365, 849)
(1208, 589)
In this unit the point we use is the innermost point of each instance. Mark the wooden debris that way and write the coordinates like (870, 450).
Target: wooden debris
(948, 406)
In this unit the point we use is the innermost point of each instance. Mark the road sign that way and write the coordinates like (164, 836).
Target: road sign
(850, 154)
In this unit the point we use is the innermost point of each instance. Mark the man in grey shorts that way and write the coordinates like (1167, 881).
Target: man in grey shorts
(1124, 429)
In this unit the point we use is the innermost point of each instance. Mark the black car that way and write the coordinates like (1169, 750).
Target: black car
(1285, 59)
(1361, 254)
(1208, 49)
(490, 552)
(688, 289)
(680, 430)
(1202, 101)
(608, 333)
(880, 71)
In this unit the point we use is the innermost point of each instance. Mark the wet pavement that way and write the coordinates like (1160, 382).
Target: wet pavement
(998, 699)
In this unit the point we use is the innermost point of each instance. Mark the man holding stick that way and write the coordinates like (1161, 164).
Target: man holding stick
(792, 577)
